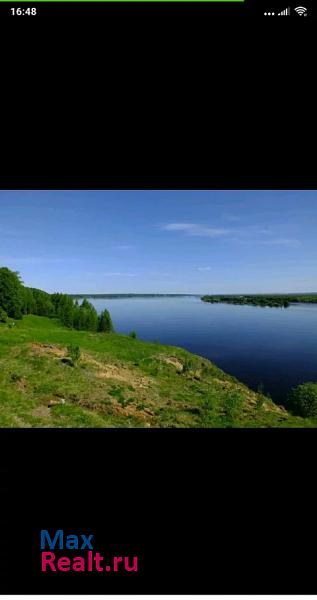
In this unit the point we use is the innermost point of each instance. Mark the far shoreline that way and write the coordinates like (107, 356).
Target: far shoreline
(273, 300)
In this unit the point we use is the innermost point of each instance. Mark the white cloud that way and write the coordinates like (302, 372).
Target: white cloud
(249, 235)
(194, 229)
(204, 269)
(282, 242)
(118, 274)
(179, 226)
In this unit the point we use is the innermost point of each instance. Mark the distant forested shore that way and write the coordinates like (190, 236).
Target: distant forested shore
(273, 300)
(96, 296)
(281, 300)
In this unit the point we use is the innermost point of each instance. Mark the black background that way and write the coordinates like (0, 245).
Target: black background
(207, 511)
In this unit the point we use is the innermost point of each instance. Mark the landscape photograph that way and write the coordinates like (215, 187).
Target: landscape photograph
(158, 308)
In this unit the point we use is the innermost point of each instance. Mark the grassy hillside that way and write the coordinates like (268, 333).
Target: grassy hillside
(119, 382)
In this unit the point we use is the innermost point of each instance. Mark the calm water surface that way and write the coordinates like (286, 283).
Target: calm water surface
(270, 346)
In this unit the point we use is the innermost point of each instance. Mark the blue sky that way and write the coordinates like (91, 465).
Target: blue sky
(161, 241)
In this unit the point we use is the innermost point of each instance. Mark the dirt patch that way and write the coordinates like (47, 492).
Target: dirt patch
(225, 385)
(101, 370)
(22, 384)
(48, 349)
(21, 423)
(271, 407)
(120, 373)
(130, 410)
(172, 360)
(42, 412)
(145, 415)
(124, 375)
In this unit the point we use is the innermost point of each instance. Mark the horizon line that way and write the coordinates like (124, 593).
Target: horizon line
(188, 293)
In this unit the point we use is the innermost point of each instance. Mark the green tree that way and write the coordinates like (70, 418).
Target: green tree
(83, 318)
(86, 304)
(29, 302)
(64, 308)
(56, 299)
(92, 320)
(302, 400)
(105, 322)
(76, 316)
(66, 311)
(42, 303)
(11, 293)
(86, 316)
(92, 316)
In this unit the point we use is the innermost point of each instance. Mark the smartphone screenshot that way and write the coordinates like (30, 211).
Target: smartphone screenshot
(158, 301)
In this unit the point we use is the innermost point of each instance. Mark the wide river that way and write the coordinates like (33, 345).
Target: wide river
(272, 347)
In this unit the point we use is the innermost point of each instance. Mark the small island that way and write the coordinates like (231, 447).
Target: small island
(278, 301)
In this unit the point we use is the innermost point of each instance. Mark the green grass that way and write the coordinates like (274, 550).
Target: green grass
(119, 381)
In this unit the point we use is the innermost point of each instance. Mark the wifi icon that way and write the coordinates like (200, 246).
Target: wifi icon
(301, 10)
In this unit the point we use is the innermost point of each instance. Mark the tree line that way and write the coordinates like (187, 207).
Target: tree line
(17, 300)
(262, 300)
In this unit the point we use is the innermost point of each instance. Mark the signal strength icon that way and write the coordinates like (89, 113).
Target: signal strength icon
(285, 13)
(301, 10)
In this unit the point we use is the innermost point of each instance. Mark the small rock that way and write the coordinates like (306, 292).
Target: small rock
(56, 402)
(52, 403)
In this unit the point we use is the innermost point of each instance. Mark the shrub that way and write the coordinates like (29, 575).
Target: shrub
(302, 400)
(232, 406)
(118, 393)
(3, 316)
(132, 334)
(188, 365)
(73, 352)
